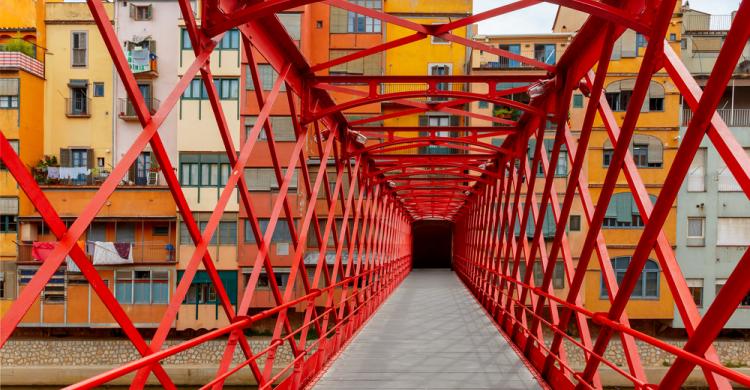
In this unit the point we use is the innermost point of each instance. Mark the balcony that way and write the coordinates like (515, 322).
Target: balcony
(704, 23)
(738, 117)
(78, 107)
(20, 56)
(506, 63)
(141, 253)
(390, 88)
(127, 110)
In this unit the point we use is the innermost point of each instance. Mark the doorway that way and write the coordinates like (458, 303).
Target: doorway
(432, 244)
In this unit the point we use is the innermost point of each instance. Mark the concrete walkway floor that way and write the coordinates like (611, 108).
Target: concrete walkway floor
(430, 334)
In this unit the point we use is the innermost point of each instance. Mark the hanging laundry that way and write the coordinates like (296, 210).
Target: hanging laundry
(73, 172)
(105, 253)
(53, 172)
(123, 249)
(41, 250)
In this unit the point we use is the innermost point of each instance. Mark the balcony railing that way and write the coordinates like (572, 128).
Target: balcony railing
(506, 63)
(16, 60)
(142, 253)
(78, 107)
(388, 88)
(706, 23)
(74, 176)
(127, 110)
(738, 117)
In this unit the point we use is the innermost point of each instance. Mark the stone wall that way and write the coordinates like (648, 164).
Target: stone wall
(60, 352)
(733, 353)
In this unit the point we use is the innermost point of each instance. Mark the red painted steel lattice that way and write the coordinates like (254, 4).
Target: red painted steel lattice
(486, 190)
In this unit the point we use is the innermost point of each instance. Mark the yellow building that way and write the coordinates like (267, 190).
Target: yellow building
(22, 55)
(436, 57)
(79, 92)
(654, 145)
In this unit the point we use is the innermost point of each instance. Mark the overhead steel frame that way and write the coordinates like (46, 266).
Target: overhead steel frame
(480, 190)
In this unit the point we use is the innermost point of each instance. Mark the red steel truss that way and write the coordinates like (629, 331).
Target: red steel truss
(487, 191)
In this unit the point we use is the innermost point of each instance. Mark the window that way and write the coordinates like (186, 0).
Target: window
(622, 212)
(575, 223)
(125, 232)
(54, 290)
(733, 232)
(726, 180)
(647, 151)
(312, 240)
(195, 91)
(227, 233)
(368, 65)
(696, 180)
(203, 291)
(15, 146)
(577, 101)
(672, 37)
(8, 215)
(9, 93)
(441, 70)
(282, 126)
(281, 275)
(505, 62)
(204, 169)
(79, 158)
(160, 230)
(718, 284)
(558, 276)
(79, 102)
(357, 23)
(79, 48)
(185, 43)
(696, 290)
(230, 41)
(98, 89)
(640, 40)
(545, 53)
(142, 287)
(97, 232)
(281, 232)
(618, 95)
(483, 104)
(267, 76)
(264, 179)
(141, 12)
(292, 24)
(2, 285)
(226, 88)
(647, 286)
(618, 101)
(695, 227)
(561, 168)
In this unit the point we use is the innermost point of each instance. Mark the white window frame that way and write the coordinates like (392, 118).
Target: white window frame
(703, 226)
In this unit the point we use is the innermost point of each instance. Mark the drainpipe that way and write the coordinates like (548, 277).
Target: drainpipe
(731, 115)
(113, 150)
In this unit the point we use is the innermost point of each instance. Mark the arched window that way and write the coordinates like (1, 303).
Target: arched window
(647, 151)
(618, 95)
(622, 212)
(647, 286)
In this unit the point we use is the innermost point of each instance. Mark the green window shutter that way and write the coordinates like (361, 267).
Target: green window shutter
(549, 222)
(530, 226)
(624, 207)
(612, 208)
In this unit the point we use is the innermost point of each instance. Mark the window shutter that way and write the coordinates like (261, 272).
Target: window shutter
(423, 121)
(9, 206)
(65, 160)
(624, 207)
(617, 49)
(132, 11)
(532, 147)
(628, 44)
(90, 158)
(696, 181)
(655, 150)
(151, 43)
(612, 208)
(549, 222)
(455, 120)
(149, 12)
(338, 20)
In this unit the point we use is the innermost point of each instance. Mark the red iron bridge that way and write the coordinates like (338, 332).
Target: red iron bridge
(483, 324)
